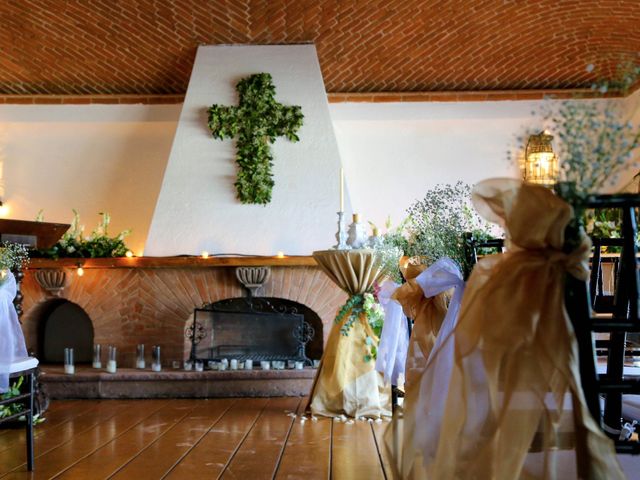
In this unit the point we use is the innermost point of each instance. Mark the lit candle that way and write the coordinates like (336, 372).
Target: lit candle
(341, 189)
(80, 271)
(205, 254)
(280, 255)
(129, 254)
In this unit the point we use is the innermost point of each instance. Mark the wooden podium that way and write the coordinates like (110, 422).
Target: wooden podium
(33, 234)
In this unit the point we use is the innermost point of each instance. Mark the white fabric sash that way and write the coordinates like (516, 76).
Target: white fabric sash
(394, 339)
(443, 275)
(12, 345)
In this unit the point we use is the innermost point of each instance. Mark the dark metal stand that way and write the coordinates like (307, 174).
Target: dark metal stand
(27, 400)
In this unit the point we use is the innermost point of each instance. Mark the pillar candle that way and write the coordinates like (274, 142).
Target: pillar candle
(341, 189)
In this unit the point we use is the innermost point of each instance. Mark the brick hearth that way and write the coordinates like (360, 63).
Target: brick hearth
(149, 300)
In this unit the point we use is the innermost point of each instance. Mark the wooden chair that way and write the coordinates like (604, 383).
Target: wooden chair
(25, 368)
(624, 318)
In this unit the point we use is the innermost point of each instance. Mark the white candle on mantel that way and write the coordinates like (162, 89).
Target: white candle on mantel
(341, 189)
(111, 366)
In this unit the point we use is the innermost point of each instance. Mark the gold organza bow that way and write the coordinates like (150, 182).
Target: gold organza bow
(516, 359)
(427, 315)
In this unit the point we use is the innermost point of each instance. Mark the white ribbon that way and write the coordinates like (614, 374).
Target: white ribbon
(394, 339)
(12, 345)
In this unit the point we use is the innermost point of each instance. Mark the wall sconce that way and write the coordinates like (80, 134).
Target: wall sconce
(540, 163)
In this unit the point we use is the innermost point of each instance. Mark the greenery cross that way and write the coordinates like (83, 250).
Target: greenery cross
(256, 121)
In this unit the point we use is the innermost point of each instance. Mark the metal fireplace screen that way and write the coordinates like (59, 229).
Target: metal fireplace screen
(219, 332)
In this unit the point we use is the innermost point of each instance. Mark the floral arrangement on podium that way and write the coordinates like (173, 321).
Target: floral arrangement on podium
(98, 244)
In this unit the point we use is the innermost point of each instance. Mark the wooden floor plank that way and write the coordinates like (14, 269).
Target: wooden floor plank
(210, 456)
(59, 413)
(105, 461)
(308, 451)
(378, 432)
(349, 439)
(57, 460)
(160, 457)
(58, 435)
(260, 453)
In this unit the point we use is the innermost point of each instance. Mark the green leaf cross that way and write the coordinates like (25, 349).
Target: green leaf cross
(257, 121)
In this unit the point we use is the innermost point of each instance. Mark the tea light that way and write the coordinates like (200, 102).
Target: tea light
(188, 365)
(265, 365)
(248, 364)
(234, 364)
(97, 356)
(140, 363)
(299, 365)
(280, 255)
(156, 366)
(199, 366)
(204, 254)
(112, 366)
(69, 367)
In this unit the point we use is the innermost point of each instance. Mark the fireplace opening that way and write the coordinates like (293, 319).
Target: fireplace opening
(64, 324)
(257, 328)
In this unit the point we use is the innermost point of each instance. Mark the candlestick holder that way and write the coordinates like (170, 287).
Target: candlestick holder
(156, 364)
(97, 356)
(140, 363)
(341, 236)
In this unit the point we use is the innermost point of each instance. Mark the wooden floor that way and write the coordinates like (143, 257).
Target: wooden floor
(193, 439)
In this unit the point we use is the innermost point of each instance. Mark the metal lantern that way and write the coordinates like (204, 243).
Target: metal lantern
(541, 164)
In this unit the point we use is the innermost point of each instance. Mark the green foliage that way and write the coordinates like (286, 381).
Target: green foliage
(97, 245)
(356, 306)
(256, 122)
(14, 391)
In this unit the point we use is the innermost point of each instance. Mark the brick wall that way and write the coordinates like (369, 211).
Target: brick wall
(129, 306)
(145, 47)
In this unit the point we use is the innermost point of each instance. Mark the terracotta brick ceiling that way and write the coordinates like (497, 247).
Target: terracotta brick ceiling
(77, 47)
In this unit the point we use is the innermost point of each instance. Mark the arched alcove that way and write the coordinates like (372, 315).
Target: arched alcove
(63, 324)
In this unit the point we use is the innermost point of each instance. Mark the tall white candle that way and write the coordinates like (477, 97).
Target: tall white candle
(341, 189)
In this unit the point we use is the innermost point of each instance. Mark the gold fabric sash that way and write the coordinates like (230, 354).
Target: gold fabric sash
(515, 350)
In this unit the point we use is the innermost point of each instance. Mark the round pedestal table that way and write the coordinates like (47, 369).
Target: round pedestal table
(347, 382)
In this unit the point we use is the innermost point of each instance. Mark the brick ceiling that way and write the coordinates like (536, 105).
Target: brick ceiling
(147, 46)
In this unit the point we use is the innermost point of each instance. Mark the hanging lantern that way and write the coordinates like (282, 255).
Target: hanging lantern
(541, 164)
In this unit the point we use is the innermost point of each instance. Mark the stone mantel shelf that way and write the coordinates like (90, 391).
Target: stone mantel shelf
(173, 262)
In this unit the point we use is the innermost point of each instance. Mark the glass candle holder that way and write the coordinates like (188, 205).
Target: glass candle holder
(140, 356)
(299, 365)
(248, 364)
(265, 365)
(97, 356)
(69, 367)
(233, 364)
(156, 366)
(112, 365)
(188, 365)
(199, 366)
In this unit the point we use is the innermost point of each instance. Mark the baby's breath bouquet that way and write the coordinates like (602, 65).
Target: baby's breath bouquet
(13, 256)
(437, 224)
(596, 139)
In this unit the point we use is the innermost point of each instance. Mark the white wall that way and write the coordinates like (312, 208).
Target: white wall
(112, 158)
(197, 208)
(93, 158)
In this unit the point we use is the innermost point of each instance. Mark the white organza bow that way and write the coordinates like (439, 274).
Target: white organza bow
(443, 275)
(12, 346)
(394, 339)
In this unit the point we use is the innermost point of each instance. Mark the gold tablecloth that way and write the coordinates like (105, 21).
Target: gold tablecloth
(346, 383)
